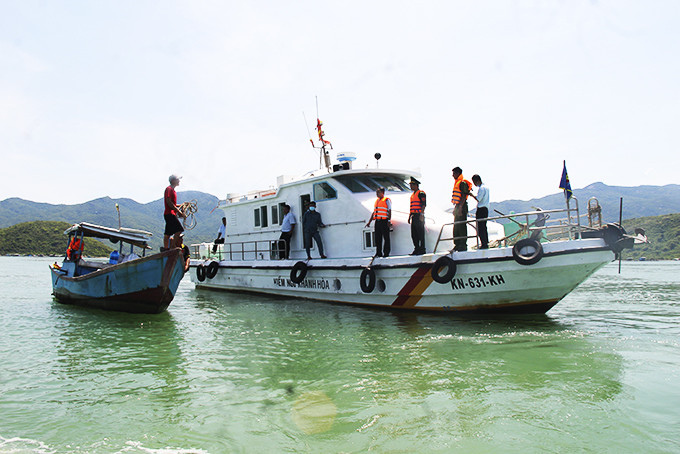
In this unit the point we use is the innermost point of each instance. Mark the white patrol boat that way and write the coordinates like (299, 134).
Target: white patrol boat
(549, 254)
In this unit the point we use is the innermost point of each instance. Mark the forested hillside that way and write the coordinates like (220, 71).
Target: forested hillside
(663, 233)
(148, 216)
(638, 202)
(45, 238)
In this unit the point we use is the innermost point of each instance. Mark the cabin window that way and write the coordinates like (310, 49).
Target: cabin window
(256, 214)
(324, 191)
(263, 216)
(369, 239)
(281, 215)
(392, 183)
(351, 183)
(370, 183)
(275, 214)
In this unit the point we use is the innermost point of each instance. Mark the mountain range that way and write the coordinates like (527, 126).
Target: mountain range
(640, 201)
(102, 211)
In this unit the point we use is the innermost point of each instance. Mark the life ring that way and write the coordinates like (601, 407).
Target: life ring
(200, 273)
(367, 280)
(211, 271)
(532, 257)
(298, 272)
(441, 263)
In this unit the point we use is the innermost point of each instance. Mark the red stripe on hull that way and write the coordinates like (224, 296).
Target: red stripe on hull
(405, 293)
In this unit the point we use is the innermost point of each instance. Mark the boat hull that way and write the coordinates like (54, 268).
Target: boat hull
(485, 280)
(145, 285)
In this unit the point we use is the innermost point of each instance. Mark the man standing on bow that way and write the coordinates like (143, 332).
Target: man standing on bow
(416, 217)
(482, 211)
(461, 190)
(172, 224)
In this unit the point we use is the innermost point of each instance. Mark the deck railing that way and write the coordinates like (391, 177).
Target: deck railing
(245, 250)
(546, 225)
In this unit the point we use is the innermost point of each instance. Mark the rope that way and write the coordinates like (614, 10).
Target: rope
(188, 209)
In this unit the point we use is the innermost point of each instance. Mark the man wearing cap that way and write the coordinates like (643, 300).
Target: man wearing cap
(461, 191)
(172, 224)
(416, 217)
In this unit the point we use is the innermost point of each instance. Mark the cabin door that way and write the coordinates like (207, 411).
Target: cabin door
(304, 201)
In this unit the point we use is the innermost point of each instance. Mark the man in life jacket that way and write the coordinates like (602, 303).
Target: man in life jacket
(74, 248)
(382, 213)
(416, 217)
(461, 190)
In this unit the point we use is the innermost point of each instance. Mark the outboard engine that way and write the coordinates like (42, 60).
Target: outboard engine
(615, 237)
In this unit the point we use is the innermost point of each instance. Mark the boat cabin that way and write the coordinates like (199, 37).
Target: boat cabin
(345, 199)
(127, 239)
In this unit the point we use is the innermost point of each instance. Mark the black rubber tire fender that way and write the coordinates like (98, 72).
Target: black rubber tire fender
(441, 263)
(200, 273)
(211, 270)
(367, 280)
(298, 272)
(530, 259)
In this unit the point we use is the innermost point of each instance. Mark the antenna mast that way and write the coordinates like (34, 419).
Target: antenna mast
(324, 153)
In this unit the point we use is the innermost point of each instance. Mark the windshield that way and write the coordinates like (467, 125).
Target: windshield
(370, 183)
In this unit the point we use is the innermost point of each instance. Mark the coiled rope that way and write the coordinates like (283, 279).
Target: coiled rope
(188, 209)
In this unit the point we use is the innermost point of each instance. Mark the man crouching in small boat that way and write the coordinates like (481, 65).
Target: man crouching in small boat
(178, 241)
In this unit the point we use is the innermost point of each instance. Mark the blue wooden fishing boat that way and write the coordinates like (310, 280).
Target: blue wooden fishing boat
(124, 282)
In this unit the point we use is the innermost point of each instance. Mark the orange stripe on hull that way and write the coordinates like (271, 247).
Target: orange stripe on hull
(414, 288)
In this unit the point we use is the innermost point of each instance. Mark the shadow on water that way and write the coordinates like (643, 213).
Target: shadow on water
(117, 365)
(299, 345)
(368, 369)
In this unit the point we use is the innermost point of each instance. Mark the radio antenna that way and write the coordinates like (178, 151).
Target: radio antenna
(309, 133)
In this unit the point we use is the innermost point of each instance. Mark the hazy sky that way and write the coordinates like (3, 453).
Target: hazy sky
(107, 98)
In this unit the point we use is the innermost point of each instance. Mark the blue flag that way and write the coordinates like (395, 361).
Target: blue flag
(564, 182)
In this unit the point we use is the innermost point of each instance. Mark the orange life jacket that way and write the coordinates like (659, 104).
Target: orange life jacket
(73, 251)
(416, 204)
(380, 210)
(457, 196)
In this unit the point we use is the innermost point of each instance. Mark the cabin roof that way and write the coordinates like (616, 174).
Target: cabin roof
(139, 238)
(313, 177)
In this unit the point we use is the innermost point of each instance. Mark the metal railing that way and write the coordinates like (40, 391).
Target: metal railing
(545, 226)
(244, 250)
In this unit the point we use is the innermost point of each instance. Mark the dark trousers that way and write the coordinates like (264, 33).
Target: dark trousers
(482, 213)
(308, 242)
(382, 233)
(460, 230)
(216, 242)
(285, 236)
(418, 233)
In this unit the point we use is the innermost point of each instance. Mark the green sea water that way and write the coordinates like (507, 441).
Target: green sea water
(223, 373)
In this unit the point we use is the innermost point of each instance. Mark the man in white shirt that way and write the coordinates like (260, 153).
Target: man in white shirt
(482, 211)
(287, 227)
(221, 233)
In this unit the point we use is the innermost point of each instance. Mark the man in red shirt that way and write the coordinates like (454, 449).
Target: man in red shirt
(172, 224)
